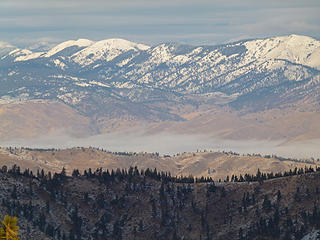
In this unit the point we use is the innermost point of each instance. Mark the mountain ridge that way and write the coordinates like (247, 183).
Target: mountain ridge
(216, 165)
(119, 79)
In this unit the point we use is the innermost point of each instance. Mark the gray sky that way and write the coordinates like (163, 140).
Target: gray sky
(27, 22)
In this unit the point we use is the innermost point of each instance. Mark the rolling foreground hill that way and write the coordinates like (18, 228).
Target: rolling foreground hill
(133, 204)
(241, 90)
(217, 165)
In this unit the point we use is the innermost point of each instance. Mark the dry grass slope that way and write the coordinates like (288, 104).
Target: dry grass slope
(211, 164)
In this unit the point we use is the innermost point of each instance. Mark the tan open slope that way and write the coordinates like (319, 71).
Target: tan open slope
(36, 118)
(212, 164)
(289, 122)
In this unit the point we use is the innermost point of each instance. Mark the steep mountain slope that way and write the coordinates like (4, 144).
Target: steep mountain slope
(105, 50)
(236, 68)
(122, 80)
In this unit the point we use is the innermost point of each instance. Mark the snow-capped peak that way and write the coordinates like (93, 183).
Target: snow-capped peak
(70, 43)
(19, 52)
(294, 48)
(24, 54)
(121, 44)
(106, 50)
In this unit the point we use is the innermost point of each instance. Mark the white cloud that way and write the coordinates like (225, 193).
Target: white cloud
(191, 21)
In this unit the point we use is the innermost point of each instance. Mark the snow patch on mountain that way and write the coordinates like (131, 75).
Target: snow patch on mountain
(29, 56)
(20, 52)
(124, 62)
(11, 73)
(70, 43)
(59, 64)
(234, 68)
(106, 50)
(82, 84)
(25, 54)
(72, 98)
(161, 54)
(294, 48)
(99, 84)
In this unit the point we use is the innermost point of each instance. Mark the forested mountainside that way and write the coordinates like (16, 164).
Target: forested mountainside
(147, 204)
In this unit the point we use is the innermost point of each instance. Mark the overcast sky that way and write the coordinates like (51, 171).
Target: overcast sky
(27, 22)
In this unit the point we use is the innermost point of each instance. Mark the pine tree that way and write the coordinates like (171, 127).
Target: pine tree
(266, 205)
(278, 196)
(9, 228)
(14, 192)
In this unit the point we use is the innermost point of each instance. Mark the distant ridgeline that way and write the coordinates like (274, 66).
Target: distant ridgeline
(148, 204)
(126, 153)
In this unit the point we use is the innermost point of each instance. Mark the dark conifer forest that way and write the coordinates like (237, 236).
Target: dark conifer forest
(148, 204)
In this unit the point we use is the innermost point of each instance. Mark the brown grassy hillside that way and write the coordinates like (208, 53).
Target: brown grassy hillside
(38, 118)
(212, 164)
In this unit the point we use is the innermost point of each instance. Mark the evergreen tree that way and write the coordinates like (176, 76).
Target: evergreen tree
(9, 228)
(14, 192)
(279, 196)
(266, 205)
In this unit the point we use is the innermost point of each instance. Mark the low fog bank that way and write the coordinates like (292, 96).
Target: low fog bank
(167, 143)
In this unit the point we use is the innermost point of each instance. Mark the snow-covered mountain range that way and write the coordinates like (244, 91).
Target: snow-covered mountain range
(116, 76)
